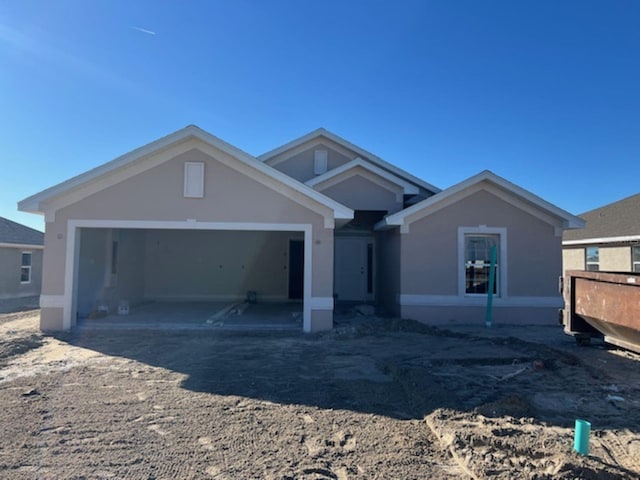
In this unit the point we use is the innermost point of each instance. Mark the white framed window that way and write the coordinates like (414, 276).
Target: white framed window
(194, 179)
(635, 258)
(474, 260)
(592, 259)
(25, 267)
(320, 161)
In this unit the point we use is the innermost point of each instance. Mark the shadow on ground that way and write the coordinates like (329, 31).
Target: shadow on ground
(399, 369)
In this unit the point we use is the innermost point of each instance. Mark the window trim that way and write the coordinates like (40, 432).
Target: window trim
(27, 267)
(586, 258)
(635, 264)
(501, 278)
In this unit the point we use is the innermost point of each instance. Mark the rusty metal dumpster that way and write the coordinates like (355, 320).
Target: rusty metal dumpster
(602, 305)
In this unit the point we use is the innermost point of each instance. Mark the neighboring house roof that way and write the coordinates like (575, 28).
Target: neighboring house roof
(616, 222)
(87, 183)
(351, 167)
(321, 132)
(493, 183)
(12, 233)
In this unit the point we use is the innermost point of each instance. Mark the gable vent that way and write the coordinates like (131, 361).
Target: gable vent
(320, 161)
(194, 179)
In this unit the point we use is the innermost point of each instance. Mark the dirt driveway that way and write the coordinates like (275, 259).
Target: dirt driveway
(374, 398)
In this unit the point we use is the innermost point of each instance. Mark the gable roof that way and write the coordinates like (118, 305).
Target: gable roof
(13, 233)
(617, 221)
(407, 187)
(38, 203)
(483, 180)
(323, 133)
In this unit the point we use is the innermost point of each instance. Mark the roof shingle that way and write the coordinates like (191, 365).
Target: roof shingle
(617, 219)
(12, 232)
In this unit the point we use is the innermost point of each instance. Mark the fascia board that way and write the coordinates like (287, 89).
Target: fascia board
(54, 194)
(407, 187)
(431, 204)
(591, 241)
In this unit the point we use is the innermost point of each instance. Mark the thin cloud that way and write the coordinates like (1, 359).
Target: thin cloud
(143, 30)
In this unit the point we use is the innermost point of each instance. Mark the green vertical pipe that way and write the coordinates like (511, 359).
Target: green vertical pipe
(581, 437)
(492, 281)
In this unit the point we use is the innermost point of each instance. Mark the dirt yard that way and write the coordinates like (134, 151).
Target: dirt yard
(374, 398)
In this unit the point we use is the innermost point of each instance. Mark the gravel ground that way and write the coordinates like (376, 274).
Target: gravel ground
(371, 399)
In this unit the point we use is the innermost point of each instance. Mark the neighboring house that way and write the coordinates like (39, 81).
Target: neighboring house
(20, 264)
(610, 240)
(191, 217)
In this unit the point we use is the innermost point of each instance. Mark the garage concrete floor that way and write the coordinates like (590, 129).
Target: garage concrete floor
(203, 316)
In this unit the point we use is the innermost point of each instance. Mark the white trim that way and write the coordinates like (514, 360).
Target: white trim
(322, 303)
(52, 301)
(483, 181)
(74, 226)
(21, 245)
(321, 132)
(408, 188)
(477, 301)
(502, 261)
(160, 151)
(587, 241)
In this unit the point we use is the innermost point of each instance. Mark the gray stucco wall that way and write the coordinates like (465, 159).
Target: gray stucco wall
(430, 249)
(359, 193)
(10, 265)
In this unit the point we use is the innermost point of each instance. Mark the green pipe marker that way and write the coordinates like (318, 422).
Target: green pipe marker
(492, 282)
(581, 437)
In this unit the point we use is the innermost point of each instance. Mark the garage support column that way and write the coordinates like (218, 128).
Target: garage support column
(318, 279)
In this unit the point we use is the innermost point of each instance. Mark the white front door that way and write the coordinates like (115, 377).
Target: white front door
(353, 275)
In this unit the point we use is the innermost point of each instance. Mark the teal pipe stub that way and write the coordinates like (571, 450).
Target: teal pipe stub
(581, 438)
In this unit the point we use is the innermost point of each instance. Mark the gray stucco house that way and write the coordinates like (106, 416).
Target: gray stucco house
(190, 217)
(610, 240)
(20, 264)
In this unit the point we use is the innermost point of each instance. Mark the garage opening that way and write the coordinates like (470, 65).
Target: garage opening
(189, 278)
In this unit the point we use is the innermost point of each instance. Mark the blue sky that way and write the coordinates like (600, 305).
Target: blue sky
(543, 93)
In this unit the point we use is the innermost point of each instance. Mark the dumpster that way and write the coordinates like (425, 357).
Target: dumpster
(602, 305)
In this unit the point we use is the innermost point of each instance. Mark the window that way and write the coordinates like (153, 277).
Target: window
(635, 258)
(477, 262)
(592, 255)
(320, 161)
(194, 179)
(25, 268)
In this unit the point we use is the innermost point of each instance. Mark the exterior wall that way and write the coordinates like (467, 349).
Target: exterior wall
(573, 259)
(613, 258)
(359, 193)
(388, 274)
(300, 166)
(431, 268)
(157, 195)
(10, 263)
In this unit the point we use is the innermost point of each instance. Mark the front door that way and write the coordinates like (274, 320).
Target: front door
(353, 269)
